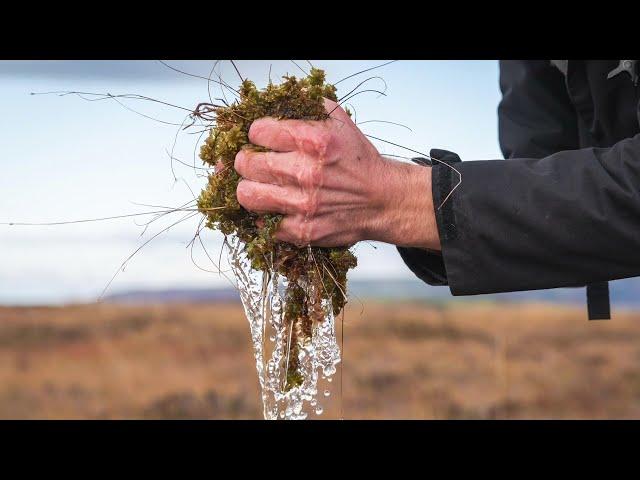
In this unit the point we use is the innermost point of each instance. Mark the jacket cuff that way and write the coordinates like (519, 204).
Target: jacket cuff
(443, 182)
(429, 266)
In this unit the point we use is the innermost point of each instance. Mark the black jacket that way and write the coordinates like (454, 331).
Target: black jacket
(564, 211)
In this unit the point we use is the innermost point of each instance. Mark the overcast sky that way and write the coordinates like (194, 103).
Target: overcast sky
(64, 158)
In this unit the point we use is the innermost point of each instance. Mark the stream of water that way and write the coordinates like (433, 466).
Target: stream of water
(262, 296)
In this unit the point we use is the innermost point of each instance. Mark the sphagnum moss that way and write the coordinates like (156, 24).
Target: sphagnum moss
(322, 269)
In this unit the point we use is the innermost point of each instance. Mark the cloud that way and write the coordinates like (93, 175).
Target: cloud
(153, 70)
(143, 70)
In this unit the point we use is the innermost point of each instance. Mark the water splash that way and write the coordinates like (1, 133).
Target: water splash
(262, 296)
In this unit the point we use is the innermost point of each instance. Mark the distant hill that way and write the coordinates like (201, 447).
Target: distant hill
(624, 293)
(184, 295)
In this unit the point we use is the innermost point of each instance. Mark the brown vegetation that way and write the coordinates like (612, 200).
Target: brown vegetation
(402, 361)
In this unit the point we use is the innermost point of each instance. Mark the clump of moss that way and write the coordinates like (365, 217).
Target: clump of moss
(315, 274)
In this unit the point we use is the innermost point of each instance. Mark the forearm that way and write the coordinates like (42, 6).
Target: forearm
(405, 212)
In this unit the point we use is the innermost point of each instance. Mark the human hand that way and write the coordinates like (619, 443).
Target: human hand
(332, 185)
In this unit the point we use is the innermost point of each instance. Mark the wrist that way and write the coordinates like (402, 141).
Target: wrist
(405, 215)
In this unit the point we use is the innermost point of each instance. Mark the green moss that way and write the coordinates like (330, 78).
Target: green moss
(325, 269)
(294, 379)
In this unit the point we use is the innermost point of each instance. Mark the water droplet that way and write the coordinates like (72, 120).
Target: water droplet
(327, 393)
(330, 379)
(319, 410)
(314, 402)
(272, 338)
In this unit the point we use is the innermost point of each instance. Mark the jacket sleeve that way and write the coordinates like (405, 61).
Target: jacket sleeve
(539, 220)
(569, 219)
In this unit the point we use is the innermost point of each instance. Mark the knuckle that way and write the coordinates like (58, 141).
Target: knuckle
(316, 175)
(323, 139)
(310, 175)
(310, 203)
(314, 138)
(269, 162)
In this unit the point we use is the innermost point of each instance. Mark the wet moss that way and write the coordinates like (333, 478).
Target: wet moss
(315, 274)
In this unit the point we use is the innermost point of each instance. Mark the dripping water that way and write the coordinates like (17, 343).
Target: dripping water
(262, 296)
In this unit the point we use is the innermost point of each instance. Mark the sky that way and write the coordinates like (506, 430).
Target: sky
(64, 158)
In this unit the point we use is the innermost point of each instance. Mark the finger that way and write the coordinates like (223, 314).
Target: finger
(316, 231)
(271, 133)
(266, 198)
(288, 135)
(336, 111)
(295, 229)
(270, 167)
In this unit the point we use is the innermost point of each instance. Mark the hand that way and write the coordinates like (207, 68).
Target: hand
(333, 186)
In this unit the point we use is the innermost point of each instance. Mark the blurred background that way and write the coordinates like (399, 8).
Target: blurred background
(169, 339)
